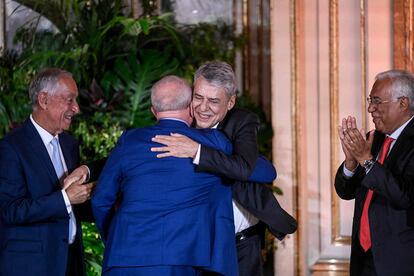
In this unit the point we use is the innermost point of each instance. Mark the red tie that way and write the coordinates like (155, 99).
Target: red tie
(364, 231)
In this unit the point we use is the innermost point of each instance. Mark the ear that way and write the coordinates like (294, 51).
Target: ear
(42, 100)
(191, 110)
(405, 103)
(232, 102)
(154, 112)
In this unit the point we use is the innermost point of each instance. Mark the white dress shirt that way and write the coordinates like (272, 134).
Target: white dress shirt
(47, 138)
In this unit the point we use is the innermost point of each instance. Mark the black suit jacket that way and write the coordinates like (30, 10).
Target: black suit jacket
(241, 126)
(391, 212)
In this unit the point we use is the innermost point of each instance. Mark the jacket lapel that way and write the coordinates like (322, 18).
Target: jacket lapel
(39, 150)
(377, 143)
(67, 151)
(404, 142)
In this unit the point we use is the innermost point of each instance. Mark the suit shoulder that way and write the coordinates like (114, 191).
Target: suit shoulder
(68, 138)
(206, 134)
(202, 132)
(14, 136)
(241, 114)
(134, 134)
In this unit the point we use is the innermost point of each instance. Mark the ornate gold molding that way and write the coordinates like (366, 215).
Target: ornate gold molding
(295, 105)
(331, 267)
(337, 238)
(403, 34)
(363, 51)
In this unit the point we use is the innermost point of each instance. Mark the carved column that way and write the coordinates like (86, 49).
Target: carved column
(403, 35)
(257, 74)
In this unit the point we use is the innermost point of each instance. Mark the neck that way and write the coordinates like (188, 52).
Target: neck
(401, 122)
(183, 115)
(40, 119)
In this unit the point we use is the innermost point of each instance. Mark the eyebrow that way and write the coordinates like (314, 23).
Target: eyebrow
(196, 94)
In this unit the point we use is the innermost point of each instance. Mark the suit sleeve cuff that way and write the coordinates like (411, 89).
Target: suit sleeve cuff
(196, 159)
(88, 176)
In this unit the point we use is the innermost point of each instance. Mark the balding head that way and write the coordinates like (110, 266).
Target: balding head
(171, 96)
(170, 93)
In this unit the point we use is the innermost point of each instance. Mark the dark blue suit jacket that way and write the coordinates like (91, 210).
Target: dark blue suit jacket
(166, 212)
(33, 217)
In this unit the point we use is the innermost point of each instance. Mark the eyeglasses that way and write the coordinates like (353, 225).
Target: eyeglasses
(379, 101)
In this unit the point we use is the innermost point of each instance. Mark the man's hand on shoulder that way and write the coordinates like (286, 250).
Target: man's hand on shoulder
(176, 145)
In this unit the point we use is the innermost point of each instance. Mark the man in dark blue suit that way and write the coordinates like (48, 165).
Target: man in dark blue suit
(40, 232)
(154, 215)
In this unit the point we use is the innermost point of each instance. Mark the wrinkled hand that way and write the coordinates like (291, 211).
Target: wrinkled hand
(79, 175)
(176, 145)
(356, 147)
(79, 193)
(347, 123)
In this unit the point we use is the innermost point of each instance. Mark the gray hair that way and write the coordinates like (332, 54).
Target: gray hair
(170, 93)
(219, 74)
(47, 81)
(402, 84)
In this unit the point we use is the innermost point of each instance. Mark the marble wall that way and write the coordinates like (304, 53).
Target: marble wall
(325, 55)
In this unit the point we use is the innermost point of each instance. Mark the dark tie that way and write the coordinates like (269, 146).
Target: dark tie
(364, 230)
(56, 159)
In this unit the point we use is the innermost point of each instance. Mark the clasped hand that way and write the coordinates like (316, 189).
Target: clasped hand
(355, 146)
(73, 184)
(176, 145)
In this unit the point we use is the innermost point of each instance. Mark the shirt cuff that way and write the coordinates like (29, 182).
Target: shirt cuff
(348, 173)
(88, 176)
(196, 159)
(67, 202)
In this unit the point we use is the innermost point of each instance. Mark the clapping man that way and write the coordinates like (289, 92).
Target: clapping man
(40, 232)
(378, 172)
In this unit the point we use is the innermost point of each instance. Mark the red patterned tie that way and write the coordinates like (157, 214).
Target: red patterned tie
(364, 231)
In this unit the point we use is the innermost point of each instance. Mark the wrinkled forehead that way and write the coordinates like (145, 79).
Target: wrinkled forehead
(209, 90)
(381, 89)
(66, 85)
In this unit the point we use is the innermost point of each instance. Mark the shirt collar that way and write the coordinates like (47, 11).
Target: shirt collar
(44, 134)
(175, 119)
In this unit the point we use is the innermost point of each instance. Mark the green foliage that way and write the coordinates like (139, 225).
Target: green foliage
(208, 41)
(14, 100)
(93, 249)
(135, 77)
(97, 136)
(149, 7)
